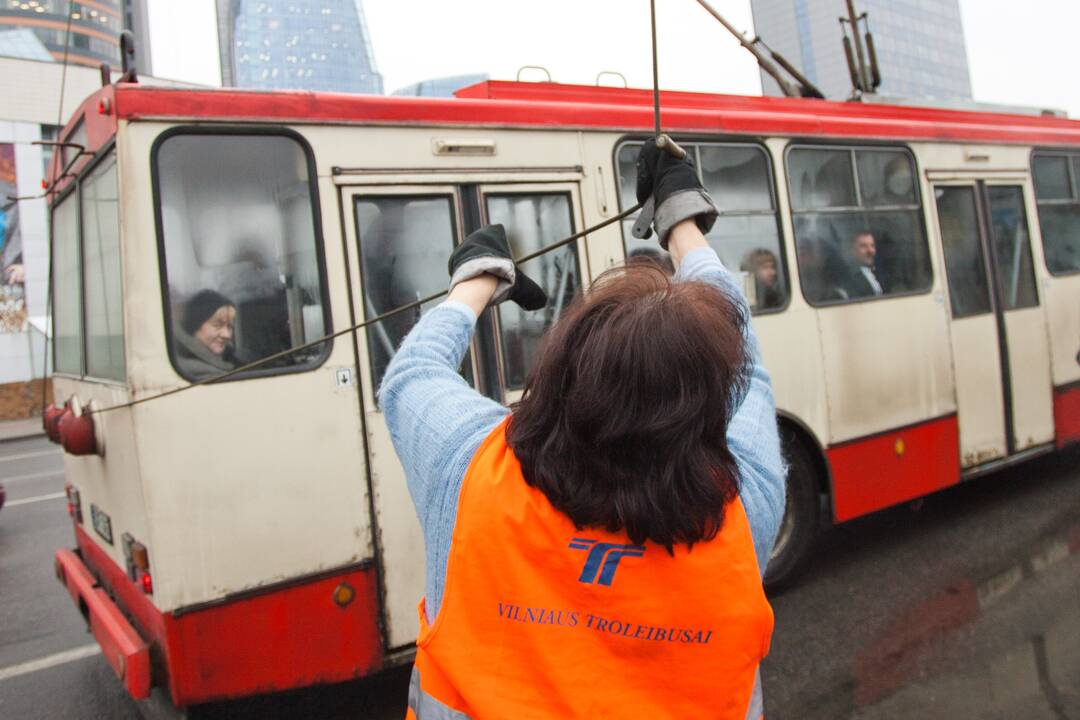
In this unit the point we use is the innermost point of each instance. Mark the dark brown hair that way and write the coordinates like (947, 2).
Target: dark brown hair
(623, 424)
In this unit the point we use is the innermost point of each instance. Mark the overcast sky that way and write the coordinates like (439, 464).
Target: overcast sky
(1020, 53)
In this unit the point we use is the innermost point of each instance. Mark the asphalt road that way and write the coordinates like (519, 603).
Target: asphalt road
(966, 605)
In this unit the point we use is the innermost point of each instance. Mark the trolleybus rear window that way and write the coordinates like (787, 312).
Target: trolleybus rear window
(241, 254)
(405, 244)
(858, 226)
(746, 236)
(533, 221)
(1057, 189)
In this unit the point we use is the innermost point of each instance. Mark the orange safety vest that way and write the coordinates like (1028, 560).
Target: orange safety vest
(542, 620)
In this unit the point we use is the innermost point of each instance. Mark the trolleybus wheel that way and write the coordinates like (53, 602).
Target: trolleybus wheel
(799, 526)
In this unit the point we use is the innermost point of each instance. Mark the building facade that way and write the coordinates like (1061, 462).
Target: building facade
(322, 45)
(920, 45)
(441, 87)
(95, 27)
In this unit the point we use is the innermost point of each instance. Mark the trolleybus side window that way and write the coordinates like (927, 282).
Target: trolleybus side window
(238, 230)
(964, 261)
(1012, 250)
(67, 286)
(405, 244)
(101, 255)
(747, 233)
(858, 225)
(533, 221)
(1057, 190)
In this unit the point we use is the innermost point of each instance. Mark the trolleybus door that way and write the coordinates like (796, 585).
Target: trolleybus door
(999, 338)
(535, 215)
(399, 240)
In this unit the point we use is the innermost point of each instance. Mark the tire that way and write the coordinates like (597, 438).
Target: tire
(800, 524)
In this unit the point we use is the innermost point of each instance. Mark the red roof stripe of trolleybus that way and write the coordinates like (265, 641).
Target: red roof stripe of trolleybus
(219, 652)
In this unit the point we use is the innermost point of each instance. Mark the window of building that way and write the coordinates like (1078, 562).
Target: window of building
(241, 252)
(746, 235)
(102, 284)
(1057, 190)
(533, 221)
(858, 226)
(67, 287)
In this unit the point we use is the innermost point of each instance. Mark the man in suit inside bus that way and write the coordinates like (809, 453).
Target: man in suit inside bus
(863, 282)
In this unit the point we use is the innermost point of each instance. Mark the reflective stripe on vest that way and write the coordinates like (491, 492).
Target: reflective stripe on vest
(540, 619)
(425, 707)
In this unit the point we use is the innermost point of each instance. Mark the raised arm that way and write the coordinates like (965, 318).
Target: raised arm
(684, 212)
(752, 433)
(436, 420)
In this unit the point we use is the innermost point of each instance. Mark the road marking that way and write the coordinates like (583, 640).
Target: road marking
(32, 476)
(49, 661)
(38, 498)
(27, 456)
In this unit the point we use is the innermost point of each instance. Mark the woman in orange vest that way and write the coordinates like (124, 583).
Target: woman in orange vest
(598, 551)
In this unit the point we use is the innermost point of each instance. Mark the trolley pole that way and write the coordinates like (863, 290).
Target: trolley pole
(864, 80)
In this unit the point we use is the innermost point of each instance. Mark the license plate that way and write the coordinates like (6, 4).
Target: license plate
(102, 523)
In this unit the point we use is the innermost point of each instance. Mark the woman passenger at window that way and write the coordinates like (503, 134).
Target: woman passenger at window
(596, 550)
(204, 340)
(762, 264)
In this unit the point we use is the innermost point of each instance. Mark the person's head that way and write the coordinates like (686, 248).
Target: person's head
(898, 177)
(762, 263)
(623, 424)
(864, 248)
(654, 255)
(209, 317)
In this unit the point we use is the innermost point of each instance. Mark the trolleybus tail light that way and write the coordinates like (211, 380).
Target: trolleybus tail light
(74, 502)
(138, 563)
(50, 420)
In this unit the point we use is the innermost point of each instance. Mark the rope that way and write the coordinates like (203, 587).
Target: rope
(360, 325)
(49, 294)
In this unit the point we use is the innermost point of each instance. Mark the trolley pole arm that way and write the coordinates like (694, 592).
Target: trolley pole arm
(786, 87)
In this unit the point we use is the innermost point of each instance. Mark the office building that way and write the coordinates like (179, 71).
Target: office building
(441, 87)
(320, 45)
(95, 27)
(919, 43)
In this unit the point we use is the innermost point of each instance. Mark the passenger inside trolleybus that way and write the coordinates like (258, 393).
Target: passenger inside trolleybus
(616, 521)
(204, 338)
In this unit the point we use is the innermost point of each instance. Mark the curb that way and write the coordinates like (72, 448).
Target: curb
(26, 435)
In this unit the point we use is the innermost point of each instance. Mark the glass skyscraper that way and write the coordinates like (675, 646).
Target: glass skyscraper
(919, 43)
(296, 45)
(95, 27)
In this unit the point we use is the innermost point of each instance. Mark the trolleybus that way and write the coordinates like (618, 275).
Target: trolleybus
(255, 534)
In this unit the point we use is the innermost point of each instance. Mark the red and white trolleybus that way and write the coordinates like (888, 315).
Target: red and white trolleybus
(255, 534)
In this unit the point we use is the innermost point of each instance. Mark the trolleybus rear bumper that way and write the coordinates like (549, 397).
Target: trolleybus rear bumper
(124, 649)
(311, 630)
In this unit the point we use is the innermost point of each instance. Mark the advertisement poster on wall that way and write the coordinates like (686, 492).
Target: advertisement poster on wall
(12, 273)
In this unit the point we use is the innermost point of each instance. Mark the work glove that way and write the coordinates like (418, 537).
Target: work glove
(487, 251)
(676, 191)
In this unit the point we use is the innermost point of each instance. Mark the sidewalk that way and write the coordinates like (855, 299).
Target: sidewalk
(20, 429)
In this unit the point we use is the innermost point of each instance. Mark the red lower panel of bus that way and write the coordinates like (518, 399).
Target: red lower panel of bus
(891, 467)
(287, 637)
(1067, 414)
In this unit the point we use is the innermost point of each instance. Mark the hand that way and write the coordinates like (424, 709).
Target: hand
(487, 251)
(675, 189)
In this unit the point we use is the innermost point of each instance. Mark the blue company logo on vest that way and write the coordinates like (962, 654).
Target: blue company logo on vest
(603, 559)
